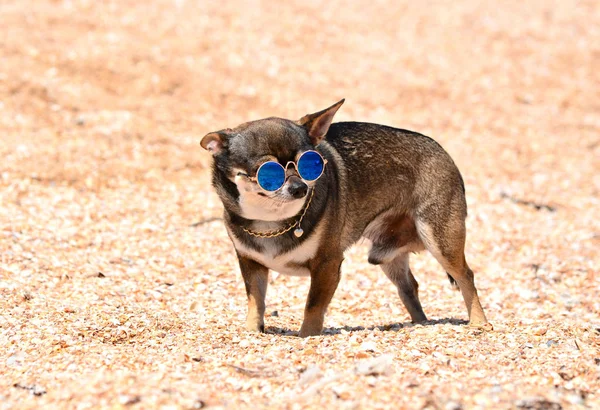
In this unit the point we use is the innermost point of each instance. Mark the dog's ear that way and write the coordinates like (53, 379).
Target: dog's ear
(215, 142)
(317, 124)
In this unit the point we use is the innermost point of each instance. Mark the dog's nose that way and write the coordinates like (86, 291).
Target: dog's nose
(297, 188)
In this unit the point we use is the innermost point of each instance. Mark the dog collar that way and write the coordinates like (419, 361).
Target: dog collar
(273, 234)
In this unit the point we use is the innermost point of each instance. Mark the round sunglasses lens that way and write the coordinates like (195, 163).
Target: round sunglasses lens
(310, 165)
(271, 176)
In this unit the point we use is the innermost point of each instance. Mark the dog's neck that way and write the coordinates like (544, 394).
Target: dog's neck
(297, 224)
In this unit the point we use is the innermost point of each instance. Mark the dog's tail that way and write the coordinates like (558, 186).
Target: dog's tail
(452, 281)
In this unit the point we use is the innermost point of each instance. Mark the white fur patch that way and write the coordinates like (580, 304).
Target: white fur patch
(285, 262)
(272, 207)
(426, 235)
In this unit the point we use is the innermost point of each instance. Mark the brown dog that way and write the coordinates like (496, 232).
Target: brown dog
(297, 194)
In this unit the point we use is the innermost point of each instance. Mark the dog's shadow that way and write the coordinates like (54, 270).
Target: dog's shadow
(393, 327)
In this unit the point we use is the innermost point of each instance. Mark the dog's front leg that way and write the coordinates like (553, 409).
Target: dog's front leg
(256, 278)
(324, 279)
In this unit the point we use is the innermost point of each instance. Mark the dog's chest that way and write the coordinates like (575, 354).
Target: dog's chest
(289, 263)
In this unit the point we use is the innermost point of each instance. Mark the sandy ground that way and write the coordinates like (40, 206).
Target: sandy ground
(119, 287)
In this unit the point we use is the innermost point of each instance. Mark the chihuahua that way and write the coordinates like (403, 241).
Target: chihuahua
(297, 194)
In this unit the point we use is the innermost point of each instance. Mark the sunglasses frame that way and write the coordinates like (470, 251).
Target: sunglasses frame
(295, 164)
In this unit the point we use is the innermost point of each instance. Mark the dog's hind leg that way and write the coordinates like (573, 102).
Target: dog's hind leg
(446, 242)
(398, 271)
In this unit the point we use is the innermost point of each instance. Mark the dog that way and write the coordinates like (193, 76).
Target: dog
(297, 194)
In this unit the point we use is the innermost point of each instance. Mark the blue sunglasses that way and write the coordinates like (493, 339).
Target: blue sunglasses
(272, 175)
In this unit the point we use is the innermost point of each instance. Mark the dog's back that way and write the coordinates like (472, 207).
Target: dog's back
(389, 168)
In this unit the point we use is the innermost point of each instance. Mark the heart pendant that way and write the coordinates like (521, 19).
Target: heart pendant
(298, 232)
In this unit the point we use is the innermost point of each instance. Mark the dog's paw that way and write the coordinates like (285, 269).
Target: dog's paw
(255, 327)
(488, 327)
(307, 331)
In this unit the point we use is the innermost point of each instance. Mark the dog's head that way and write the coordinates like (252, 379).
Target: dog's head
(239, 152)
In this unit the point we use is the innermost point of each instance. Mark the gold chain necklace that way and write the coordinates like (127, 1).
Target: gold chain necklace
(272, 234)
